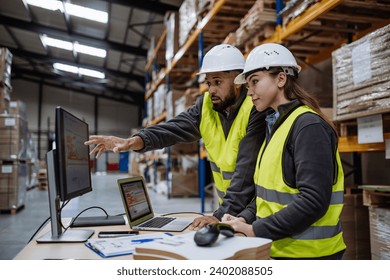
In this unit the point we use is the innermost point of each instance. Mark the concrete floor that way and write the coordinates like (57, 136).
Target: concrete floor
(17, 229)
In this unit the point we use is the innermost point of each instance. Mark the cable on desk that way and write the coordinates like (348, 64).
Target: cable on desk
(39, 228)
(92, 207)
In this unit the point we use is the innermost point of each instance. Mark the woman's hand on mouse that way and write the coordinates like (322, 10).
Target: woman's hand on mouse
(239, 225)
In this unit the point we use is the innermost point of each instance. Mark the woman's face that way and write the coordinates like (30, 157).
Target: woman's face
(266, 90)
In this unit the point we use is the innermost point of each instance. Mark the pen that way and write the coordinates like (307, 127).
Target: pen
(144, 240)
(115, 235)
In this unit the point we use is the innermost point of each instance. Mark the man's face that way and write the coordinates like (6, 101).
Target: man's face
(221, 89)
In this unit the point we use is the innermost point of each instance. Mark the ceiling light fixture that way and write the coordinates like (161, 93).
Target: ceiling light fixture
(87, 13)
(66, 68)
(79, 70)
(61, 44)
(66, 45)
(89, 50)
(47, 4)
(71, 9)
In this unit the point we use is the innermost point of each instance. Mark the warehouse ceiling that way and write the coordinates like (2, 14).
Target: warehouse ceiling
(125, 37)
(132, 26)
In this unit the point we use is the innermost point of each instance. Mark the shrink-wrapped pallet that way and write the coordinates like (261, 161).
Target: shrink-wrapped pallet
(361, 71)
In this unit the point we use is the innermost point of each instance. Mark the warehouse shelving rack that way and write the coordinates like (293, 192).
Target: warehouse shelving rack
(312, 36)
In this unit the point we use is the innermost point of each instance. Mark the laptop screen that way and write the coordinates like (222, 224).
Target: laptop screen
(135, 198)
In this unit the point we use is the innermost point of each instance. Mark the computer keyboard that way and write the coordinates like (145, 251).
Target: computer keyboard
(157, 222)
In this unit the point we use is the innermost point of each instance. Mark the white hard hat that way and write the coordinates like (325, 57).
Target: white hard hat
(221, 58)
(269, 55)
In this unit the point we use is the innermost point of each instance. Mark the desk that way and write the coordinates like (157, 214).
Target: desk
(56, 251)
(42, 251)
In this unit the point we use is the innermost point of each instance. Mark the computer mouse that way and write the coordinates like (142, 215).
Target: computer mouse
(225, 229)
(206, 236)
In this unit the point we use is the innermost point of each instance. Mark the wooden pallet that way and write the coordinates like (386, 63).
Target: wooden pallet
(42, 179)
(376, 195)
(12, 211)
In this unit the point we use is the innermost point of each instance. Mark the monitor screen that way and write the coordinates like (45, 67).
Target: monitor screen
(73, 162)
(136, 200)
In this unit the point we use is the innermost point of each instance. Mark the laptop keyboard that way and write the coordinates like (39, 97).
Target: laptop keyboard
(157, 222)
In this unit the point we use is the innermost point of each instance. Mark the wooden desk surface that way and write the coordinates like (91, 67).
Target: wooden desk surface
(42, 251)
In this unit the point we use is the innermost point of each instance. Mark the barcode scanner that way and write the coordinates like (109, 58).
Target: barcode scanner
(207, 235)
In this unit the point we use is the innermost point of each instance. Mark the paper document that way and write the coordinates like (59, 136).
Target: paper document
(111, 247)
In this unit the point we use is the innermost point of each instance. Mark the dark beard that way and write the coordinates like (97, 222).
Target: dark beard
(229, 101)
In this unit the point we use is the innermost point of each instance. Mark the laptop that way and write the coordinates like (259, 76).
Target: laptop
(139, 210)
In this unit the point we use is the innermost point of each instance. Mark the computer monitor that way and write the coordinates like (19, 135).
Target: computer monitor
(69, 176)
(74, 173)
(68, 171)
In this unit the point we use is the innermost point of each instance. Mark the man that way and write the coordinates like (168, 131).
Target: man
(231, 127)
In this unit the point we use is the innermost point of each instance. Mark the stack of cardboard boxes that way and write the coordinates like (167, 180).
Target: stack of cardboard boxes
(5, 78)
(13, 142)
(356, 231)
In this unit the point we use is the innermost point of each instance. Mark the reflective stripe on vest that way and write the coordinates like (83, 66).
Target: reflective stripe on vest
(322, 238)
(286, 198)
(225, 175)
(222, 152)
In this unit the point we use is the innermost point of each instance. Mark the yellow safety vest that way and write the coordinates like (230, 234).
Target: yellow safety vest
(222, 152)
(324, 237)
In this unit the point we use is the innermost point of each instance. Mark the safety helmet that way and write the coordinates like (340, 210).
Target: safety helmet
(221, 58)
(266, 56)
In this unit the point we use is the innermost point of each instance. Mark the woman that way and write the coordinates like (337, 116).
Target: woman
(299, 178)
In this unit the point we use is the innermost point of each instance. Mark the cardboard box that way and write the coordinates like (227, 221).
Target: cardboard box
(13, 137)
(18, 107)
(13, 184)
(172, 96)
(159, 99)
(149, 109)
(171, 21)
(185, 148)
(184, 184)
(187, 19)
(5, 98)
(186, 101)
(380, 232)
(355, 222)
(5, 67)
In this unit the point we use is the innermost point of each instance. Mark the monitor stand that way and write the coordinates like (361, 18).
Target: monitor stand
(56, 235)
(68, 236)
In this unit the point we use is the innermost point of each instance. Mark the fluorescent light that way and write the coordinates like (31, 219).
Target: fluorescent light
(89, 50)
(87, 13)
(47, 4)
(79, 70)
(69, 46)
(56, 43)
(66, 67)
(71, 9)
(91, 73)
